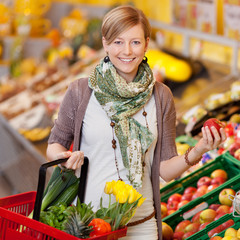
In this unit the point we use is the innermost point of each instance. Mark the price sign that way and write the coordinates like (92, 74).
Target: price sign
(206, 16)
(231, 19)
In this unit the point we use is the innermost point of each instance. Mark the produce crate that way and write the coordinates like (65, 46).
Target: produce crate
(232, 158)
(200, 203)
(203, 234)
(15, 225)
(231, 166)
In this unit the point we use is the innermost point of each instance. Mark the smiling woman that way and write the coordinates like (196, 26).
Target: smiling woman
(134, 138)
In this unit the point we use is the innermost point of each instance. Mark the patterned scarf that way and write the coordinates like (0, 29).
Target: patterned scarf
(121, 100)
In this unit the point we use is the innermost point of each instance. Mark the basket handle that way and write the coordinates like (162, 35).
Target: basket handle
(42, 179)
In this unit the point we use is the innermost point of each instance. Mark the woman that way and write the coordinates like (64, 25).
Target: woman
(124, 122)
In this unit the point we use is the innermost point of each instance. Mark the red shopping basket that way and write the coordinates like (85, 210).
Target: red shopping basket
(15, 225)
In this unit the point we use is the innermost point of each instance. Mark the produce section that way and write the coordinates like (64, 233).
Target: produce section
(33, 83)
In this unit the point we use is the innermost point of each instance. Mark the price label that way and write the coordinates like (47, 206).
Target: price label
(179, 10)
(206, 16)
(231, 19)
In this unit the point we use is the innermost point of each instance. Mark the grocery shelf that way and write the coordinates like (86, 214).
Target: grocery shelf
(19, 160)
(189, 33)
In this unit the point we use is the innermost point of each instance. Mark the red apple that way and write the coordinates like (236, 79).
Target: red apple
(182, 225)
(163, 203)
(237, 154)
(164, 211)
(192, 227)
(216, 230)
(216, 238)
(200, 192)
(223, 196)
(227, 224)
(214, 206)
(182, 203)
(223, 209)
(213, 122)
(171, 212)
(234, 147)
(205, 180)
(218, 180)
(175, 197)
(167, 232)
(202, 189)
(196, 217)
(178, 235)
(172, 205)
(211, 187)
(203, 225)
(190, 190)
(219, 215)
(187, 196)
(187, 235)
(219, 173)
(207, 215)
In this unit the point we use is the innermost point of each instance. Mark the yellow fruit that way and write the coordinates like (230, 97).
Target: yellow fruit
(238, 233)
(76, 13)
(173, 68)
(4, 13)
(230, 238)
(167, 232)
(182, 148)
(235, 118)
(231, 232)
(28, 66)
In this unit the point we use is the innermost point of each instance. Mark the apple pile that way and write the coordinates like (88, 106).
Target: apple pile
(201, 219)
(204, 185)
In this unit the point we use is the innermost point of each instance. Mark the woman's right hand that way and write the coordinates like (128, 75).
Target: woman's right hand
(75, 159)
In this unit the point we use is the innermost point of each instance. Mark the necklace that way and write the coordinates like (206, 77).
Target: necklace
(112, 124)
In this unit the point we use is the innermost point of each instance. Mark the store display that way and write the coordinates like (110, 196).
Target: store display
(200, 207)
(198, 183)
(194, 205)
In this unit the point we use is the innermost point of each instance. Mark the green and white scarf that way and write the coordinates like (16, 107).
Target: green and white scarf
(121, 100)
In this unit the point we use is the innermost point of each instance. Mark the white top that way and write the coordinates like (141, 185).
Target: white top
(96, 143)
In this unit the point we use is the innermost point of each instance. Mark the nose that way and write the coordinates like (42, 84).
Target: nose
(127, 49)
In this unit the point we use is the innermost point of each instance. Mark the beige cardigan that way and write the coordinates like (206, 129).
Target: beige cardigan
(68, 128)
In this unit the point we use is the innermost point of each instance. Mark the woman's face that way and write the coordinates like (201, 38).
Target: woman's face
(127, 51)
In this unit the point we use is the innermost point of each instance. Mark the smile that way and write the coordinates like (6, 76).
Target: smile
(126, 59)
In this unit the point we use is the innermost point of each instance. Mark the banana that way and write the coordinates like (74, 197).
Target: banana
(36, 134)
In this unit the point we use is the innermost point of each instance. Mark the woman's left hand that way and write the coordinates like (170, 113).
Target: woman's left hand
(210, 141)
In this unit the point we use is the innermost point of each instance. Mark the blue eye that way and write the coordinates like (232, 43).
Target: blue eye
(117, 42)
(136, 42)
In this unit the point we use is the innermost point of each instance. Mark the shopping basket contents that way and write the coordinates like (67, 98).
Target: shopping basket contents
(15, 222)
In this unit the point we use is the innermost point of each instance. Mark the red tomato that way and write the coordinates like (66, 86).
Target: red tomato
(213, 122)
(99, 227)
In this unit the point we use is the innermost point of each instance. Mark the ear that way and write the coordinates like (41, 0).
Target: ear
(146, 44)
(104, 43)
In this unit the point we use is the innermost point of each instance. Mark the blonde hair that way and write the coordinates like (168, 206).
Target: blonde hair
(122, 18)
